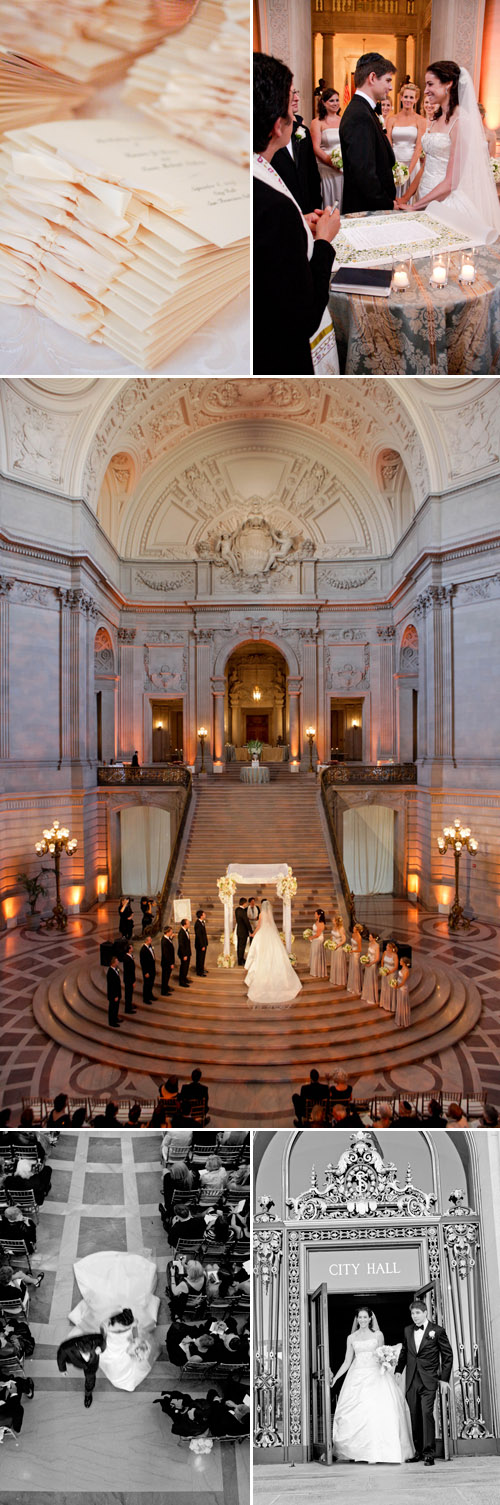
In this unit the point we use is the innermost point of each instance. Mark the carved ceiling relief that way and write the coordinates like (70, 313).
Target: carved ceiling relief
(165, 670)
(473, 436)
(353, 674)
(36, 439)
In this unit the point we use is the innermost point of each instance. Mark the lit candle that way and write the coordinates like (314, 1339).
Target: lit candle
(401, 279)
(439, 276)
(467, 273)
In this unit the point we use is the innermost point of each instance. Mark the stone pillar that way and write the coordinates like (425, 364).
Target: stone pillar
(5, 587)
(435, 605)
(489, 89)
(218, 692)
(76, 608)
(309, 697)
(204, 647)
(401, 68)
(385, 741)
(405, 685)
(457, 32)
(126, 745)
(294, 684)
(328, 63)
(286, 32)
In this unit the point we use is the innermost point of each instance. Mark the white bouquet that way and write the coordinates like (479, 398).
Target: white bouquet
(400, 173)
(201, 1444)
(307, 934)
(330, 945)
(226, 961)
(387, 1356)
(495, 168)
(336, 159)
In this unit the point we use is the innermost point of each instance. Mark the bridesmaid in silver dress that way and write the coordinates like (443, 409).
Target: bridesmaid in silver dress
(402, 992)
(354, 972)
(318, 964)
(390, 960)
(369, 992)
(338, 968)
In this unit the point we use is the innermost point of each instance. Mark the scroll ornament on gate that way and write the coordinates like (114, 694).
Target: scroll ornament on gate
(361, 1185)
(267, 1250)
(461, 1242)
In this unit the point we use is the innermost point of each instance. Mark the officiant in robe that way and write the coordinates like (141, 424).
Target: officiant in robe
(367, 156)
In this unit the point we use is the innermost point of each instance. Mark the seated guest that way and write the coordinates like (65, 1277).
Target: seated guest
(239, 1220)
(233, 1346)
(213, 1175)
(175, 1340)
(195, 1090)
(11, 1408)
(298, 168)
(226, 1418)
(455, 1117)
(293, 257)
(187, 1279)
(14, 1224)
(108, 1119)
(189, 1417)
(78, 1118)
(312, 1091)
(383, 1115)
(434, 1116)
(26, 1178)
(318, 1115)
(406, 1118)
(59, 1116)
(340, 1090)
(240, 1280)
(5, 1115)
(488, 1119)
(13, 1284)
(16, 1330)
(133, 1120)
(240, 1176)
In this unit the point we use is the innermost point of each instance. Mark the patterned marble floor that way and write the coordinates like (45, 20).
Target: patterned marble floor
(105, 1190)
(32, 1065)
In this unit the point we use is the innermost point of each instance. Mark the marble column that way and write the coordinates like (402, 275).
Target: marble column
(401, 68)
(490, 80)
(457, 32)
(435, 605)
(74, 674)
(286, 32)
(405, 685)
(385, 743)
(204, 707)
(328, 63)
(294, 685)
(219, 692)
(309, 693)
(126, 744)
(5, 587)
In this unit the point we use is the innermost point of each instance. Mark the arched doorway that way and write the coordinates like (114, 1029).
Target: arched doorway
(257, 703)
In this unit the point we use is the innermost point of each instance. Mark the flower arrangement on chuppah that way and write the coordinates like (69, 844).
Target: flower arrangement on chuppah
(226, 961)
(400, 173)
(286, 885)
(227, 887)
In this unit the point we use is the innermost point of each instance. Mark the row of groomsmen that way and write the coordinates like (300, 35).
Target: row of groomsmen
(147, 959)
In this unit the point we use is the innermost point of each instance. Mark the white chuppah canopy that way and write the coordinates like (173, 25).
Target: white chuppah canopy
(256, 872)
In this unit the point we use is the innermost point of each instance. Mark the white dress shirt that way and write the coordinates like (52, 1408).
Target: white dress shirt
(419, 1333)
(362, 95)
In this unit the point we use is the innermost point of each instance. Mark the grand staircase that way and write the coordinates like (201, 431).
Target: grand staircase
(254, 1057)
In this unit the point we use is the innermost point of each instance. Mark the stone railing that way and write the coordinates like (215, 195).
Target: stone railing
(171, 773)
(370, 773)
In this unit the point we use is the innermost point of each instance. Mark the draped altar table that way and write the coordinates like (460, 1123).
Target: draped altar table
(249, 775)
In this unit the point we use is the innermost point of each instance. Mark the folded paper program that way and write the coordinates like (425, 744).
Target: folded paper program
(209, 63)
(119, 234)
(29, 91)
(92, 42)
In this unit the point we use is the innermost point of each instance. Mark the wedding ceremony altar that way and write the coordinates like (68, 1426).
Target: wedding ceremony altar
(253, 873)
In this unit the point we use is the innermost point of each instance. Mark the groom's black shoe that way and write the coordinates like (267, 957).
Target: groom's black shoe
(417, 1458)
(429, 1461)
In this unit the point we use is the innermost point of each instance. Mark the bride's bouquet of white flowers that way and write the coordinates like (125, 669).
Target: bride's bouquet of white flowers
(495, 168)
(387, 1356)
(400, 173)
(336, 159)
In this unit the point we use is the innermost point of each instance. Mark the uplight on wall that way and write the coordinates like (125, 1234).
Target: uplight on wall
(102, 887)
(413, 887)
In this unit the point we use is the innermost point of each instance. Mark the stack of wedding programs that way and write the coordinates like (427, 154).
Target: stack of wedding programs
(201, 75)
(90, 41)
(31, 92)
(120, 235)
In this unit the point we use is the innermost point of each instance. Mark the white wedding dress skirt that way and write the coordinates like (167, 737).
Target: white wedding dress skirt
(372, 1421)
(109, 1282)
(270, 977)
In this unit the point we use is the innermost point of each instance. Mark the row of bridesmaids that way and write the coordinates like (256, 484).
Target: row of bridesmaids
(359, 972)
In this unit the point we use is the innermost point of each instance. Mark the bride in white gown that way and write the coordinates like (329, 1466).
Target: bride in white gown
(457, 184)
(270, 976)
(372, 1421)
(117, 1294)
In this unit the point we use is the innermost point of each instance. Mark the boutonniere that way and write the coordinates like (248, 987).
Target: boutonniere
(432, 1332)
(300, 134)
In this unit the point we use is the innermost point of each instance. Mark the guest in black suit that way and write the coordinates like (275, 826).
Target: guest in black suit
(125, 918)
(82, 1352)
(114, 989)
(195, 1090)
(244, 930)
(11, 1408)
(297, 165)
(428, 1356)
(167, 959)
(184, 954)
(148, 965)
(135, 760)
(291, 276)
(129, 979)
(200, 942)
(312, 1091)
(367, 156)
(14, 1225)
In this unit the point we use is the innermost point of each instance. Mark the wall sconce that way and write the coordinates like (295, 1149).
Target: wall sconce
(202, 734)
(310, 734)
(355, 723)
(55, 841)
(159, 726)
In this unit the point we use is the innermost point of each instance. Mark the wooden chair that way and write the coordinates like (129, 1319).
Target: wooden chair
(15, 1307)
(26, 1200)
(17, 1248)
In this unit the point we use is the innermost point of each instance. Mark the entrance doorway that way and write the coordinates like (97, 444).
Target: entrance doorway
(331, 1319)
(167, 730)
(256, 676)
(257, 727)
(346, 730)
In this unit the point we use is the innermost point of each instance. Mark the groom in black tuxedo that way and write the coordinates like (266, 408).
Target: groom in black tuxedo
(428, 1356)
(243, 930)
(367, 156)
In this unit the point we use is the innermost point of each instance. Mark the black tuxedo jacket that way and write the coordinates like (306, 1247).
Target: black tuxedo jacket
(114, 985)
(148, 961)
(200, 934)
(368, 160)
(432, 1362)
(70, 1352)
(300, 172)
(128, 968)
(167, 952)
(290, 292)
(183, 944)
(243, 925)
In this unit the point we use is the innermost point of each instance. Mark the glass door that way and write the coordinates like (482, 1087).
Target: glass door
(321, 1414)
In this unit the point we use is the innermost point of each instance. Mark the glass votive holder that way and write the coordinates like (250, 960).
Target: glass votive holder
(440, 262)
(401, 273)
(467, 273)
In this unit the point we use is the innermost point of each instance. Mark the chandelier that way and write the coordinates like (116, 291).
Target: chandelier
(256, 693)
